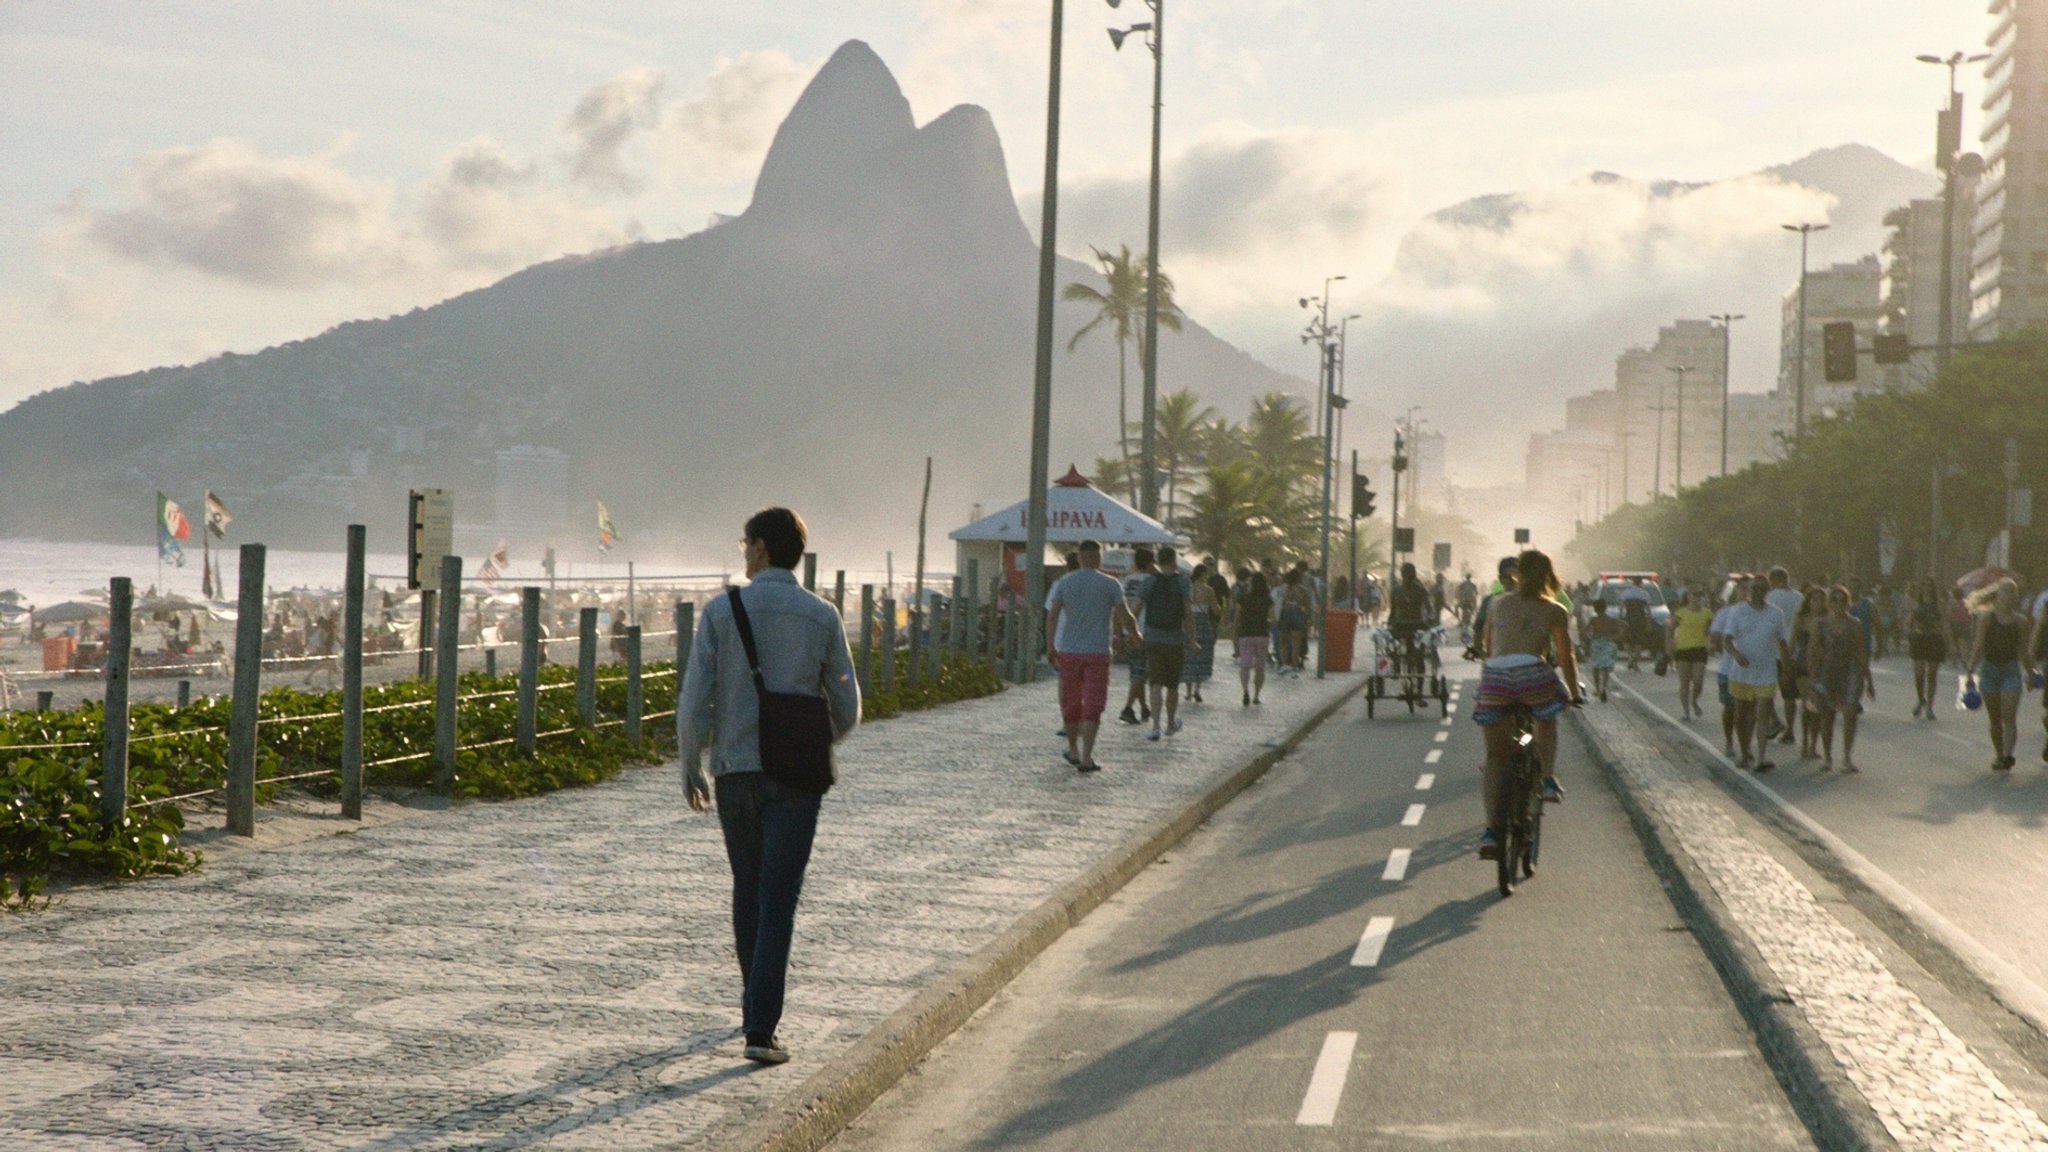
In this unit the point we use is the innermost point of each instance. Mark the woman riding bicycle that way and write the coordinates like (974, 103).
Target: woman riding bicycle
(1523, 628)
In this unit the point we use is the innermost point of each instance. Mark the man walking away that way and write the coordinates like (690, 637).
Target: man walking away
(1786, 599)
(1169, 630)
(1134, 700)
(768, 825)
(1087, 611)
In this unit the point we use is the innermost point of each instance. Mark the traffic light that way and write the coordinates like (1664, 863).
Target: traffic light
(1891, 348)
(1838, 351)
(1361, 497)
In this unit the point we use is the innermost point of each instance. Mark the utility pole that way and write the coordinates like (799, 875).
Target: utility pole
(1948, 142)
(1657, 469)
(1399, 465)
(1727, 322)
(1331, 400)
(1678, 446)
(1041, 390)
(1149, 446)
(1799, 367)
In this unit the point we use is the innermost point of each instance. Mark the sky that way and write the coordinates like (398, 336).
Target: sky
(183, 178)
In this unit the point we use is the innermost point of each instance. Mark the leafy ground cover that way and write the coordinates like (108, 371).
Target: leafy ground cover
(50, 780)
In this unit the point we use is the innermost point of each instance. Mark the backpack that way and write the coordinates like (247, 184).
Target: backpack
(1165, 615)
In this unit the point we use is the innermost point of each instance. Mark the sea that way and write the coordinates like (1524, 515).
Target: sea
(47, 572)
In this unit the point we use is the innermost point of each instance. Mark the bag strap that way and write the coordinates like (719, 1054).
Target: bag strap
(746, 628)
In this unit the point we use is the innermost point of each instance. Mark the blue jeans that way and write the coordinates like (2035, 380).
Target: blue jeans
(768, 831)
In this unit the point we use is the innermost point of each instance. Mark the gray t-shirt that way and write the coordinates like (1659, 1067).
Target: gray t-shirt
(1087, 600)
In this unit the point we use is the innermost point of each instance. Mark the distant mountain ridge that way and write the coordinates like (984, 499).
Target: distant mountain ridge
(874, 304)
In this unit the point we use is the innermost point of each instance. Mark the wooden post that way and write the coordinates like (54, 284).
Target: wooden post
(114, 734)
(184, 693)
(635, 691)
(525, 721)
(586, 667)
(491, 663)
(1010, 644)
(352, 677)
(242, 714)
(958, 632)
(919, 636)
(632, 594)
(867, 638)
(839, 590)
(428, 610)
(45, 699)
(974, 630)
(888, 643)
(446, 666)
(810, 571)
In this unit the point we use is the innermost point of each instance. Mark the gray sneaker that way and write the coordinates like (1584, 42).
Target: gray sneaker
(764, 1050)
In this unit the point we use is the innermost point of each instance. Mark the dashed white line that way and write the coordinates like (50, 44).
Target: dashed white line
(1442, 736)
(1413, 818)
(1435, 754)
(1445, 722)
(1373, 942)
(1451, 709)
(1326, 1084)
(1425, 782)
(1397, 864)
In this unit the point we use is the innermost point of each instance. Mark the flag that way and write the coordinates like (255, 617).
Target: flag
(171, 527)
(217, 517)
(494, 565)
(606, 534)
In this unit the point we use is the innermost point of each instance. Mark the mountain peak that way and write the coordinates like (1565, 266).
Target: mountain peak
(851, 110)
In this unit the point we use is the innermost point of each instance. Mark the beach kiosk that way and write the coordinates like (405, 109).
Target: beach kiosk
(1075, 510)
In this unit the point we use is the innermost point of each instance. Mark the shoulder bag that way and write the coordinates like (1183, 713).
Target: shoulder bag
(795, 729)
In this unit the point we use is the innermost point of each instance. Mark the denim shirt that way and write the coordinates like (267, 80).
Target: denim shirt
(803, 650)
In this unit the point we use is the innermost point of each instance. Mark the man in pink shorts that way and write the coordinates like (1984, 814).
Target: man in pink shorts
(1086, 610)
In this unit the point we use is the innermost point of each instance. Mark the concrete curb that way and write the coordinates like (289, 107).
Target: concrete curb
(1833, 1111)
(836, 1095)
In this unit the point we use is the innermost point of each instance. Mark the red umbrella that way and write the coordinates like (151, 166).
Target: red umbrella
(1985, 577)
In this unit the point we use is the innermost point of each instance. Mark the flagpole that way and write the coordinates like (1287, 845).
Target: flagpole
(159, 542)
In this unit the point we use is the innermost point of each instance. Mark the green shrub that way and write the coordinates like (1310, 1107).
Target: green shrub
(49, 798)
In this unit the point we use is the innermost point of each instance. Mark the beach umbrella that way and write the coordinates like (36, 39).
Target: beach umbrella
(69, 611)
(1985, 577)
(170, 602)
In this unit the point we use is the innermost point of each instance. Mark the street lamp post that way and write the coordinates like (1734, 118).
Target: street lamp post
(1657, 467)
(1041, 391)
(1799, 368)
(1678, 446)
(1948, 142)
(1727, 322)
(1148, 450)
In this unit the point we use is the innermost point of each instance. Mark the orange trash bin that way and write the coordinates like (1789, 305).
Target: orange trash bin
(1340, 628)
(57, 652)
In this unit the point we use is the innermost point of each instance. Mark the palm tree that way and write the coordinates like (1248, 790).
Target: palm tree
(1223, 518)
(1122, 306)
(1182, 434)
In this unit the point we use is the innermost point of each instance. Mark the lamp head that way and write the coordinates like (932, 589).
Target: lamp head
(1116, 3)
(1116, 35)
(1926, 59)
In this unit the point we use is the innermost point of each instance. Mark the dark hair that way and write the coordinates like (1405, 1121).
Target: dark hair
(1073, 560)
(1201, 572)
(1292, 578)
(1407, 571)
(1259, 585)
(782, 532)
(1534, 576)
(1166, 558)
(1506, 565)
(1141, 556)
(1094, 546)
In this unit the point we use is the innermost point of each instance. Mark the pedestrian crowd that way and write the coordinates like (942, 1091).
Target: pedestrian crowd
(1793, 661)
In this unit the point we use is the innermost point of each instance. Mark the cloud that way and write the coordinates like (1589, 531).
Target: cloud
(228, 210)
(483, 210)
(720, 135)
(604, 120)
(1601, 234)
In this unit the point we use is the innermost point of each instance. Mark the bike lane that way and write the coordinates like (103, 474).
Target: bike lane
(1327, 964)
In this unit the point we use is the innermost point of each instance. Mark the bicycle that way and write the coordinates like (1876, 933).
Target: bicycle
(1521, 831)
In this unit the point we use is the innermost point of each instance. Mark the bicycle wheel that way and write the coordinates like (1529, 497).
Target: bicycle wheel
(1513, 828)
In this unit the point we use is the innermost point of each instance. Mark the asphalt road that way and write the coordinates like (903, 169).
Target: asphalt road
(1927, 810)
(1327, 965)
